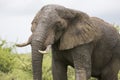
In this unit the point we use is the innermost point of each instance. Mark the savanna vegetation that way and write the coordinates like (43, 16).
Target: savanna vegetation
(14, 66)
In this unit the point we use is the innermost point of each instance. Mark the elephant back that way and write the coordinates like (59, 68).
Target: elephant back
(109, 34)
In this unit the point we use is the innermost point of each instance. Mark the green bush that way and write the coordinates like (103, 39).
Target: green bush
(14, 66)
(23, 62)
(6, 57)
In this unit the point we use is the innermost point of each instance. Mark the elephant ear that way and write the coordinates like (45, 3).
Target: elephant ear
(79, 31)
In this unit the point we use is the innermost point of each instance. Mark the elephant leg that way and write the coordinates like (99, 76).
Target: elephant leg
(82, 62)
(59, 70)
(111, 71)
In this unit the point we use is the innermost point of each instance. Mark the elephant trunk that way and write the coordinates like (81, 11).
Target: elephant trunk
(36, 61)
(37, 45)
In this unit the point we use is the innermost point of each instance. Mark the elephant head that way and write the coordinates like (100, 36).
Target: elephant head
(55, 23)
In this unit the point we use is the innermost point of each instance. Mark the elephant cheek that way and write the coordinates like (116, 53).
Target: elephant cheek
(49, 40)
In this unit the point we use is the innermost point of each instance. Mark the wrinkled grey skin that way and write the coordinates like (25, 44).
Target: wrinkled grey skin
(88, 44)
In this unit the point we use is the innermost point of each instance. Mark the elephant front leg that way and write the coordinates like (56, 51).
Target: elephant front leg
(82, 69)
(80, 74)
(59, 71)
(82, 63)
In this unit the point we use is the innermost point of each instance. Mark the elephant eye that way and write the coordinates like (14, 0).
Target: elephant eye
(58, 23)
(59, 26)
(58, 29)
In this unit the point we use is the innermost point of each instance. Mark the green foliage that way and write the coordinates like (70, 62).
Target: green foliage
(14, 66)
(71, 73)
(119, 75)
(6, 57)
(23, 62)
(47, 67)
(117, 27)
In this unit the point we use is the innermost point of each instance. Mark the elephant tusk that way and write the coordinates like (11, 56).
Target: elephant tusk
(42, 52)
(26, 43)
(23, 44)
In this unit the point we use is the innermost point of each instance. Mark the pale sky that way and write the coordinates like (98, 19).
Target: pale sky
(16, 15)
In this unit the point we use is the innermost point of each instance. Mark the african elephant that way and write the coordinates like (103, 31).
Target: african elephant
(88, 44)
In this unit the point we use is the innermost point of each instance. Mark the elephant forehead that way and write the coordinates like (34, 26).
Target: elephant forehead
(52, 7)
(48, 11)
